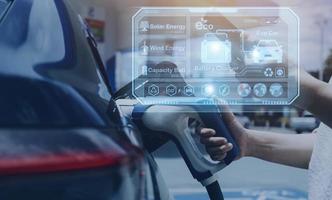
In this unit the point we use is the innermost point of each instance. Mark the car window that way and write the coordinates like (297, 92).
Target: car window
(40, 38)
(3, 6)
(43, 104)
(52, 47)
(267, 44)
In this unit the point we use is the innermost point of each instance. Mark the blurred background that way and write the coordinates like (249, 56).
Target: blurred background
(110, 21)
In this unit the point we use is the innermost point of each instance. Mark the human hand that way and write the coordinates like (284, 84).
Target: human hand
(217, 147)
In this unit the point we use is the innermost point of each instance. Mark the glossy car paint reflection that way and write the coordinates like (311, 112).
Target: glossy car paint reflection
(61, 134)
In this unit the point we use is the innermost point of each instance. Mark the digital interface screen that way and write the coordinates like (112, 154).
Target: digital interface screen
(191, 56)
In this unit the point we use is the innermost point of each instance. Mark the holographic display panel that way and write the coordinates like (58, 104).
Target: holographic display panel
(190, 56)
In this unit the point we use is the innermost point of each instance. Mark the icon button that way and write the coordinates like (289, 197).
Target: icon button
(171, 90)
(144, 70)
(280, 72)
(276, 89)
(216, 48)
(267, 51)
(260, 89)
(153, 90)
(224, 90)
(268, 72)
(244, 89)
(144, 49)
(208, 90)
(189, 90)
(144, 26)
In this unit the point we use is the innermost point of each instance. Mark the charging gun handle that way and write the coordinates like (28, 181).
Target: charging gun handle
(214, 121)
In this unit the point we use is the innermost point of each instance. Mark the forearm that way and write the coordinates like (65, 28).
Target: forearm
(291, 150)
(321, 106)
(316, 97)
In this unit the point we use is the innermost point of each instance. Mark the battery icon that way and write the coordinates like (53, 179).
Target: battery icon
(216, 48)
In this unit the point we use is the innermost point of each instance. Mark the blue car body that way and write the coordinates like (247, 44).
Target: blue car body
(61, 134)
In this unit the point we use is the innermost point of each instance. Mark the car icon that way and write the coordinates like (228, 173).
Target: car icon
(267, 51)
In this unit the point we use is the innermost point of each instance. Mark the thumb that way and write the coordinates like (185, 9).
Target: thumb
(227, 114)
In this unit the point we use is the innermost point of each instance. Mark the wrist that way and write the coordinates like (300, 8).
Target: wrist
(246, 146)
(251, 144)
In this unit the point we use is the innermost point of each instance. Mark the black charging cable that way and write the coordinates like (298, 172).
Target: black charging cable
(214, 191)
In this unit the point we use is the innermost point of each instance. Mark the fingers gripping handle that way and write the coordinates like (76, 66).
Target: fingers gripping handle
(214, 121)
(175, 122)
